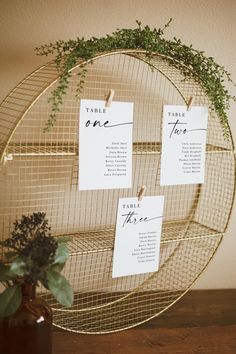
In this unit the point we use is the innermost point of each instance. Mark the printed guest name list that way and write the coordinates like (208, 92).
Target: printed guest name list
(138, 235)
(183, 145)
(105, 145)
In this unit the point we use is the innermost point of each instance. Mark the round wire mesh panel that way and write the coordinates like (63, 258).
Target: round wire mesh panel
(39, 172)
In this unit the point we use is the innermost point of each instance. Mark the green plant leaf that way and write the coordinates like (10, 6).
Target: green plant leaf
(5, 273)
(57, 267)
(10, 300)
(44, 281)
(63, 239)
(18, 267)
(60, 288)
(62, 254)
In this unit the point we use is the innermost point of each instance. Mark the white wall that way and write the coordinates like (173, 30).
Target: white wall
(210, 25)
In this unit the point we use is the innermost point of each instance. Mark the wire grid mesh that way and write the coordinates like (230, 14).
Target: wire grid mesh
(39, 172)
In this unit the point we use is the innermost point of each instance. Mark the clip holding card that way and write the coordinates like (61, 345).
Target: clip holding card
(190, 103)
(141, 192)
(109, 98)
(7, 157)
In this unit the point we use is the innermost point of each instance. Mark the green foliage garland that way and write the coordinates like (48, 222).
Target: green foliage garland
(189, 61)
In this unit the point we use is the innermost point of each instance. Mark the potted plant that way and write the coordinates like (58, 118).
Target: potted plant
(30, 257)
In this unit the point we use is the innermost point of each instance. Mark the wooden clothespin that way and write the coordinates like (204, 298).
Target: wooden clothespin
(190, 103)
(109, 98)
(8, 157)
(141, 192)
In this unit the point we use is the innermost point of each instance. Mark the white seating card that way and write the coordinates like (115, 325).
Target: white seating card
(137, 237)
(183, 145)
(105, 145)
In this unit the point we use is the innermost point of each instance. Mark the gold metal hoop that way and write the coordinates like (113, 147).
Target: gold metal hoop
(39, 172)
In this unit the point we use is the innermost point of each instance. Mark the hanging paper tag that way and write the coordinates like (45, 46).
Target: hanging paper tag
(137, 237)
(105, 145)
(183, 145)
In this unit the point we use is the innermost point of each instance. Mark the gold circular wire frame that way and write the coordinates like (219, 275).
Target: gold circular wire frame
(187, 244)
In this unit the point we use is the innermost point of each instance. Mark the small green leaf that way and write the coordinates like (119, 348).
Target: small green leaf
(10, 300)
(57, 267)
(60, 288)
(5, 273)
(62, 253)
(60, 239)
(44, 281)
(18, 267)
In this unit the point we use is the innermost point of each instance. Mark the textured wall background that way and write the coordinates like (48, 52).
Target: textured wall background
(209, 25)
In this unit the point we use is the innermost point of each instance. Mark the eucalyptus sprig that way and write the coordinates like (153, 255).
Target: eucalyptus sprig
(32, 256)
(191, 62)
